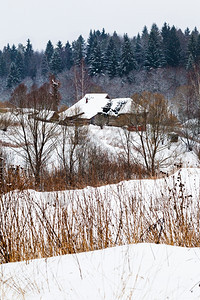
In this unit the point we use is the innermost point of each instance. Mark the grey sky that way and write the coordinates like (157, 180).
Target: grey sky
(41, 20)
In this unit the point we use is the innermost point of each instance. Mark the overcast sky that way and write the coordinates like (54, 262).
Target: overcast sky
(43, 20)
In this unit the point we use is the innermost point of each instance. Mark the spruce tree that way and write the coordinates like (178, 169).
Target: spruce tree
(78, 48)
(90, 45)
(7, 56)
(154, 54)
(198, 49)
(190, 62)
(144, 39)
(13, 77)
(165, 32)
(3, 69)
(195, 33)
(68, 60)
(173, 49)
(59, 46)
(56, 65)
(13, 53)
(138, 52)
(96, 63)
(127, 62)
(104, 39)
(60, 49)
(187, 32)
(111, 59)
(19, 61)
(192, 47)
(117, 41)
(49, 51)
(44, 66)
(28, 60)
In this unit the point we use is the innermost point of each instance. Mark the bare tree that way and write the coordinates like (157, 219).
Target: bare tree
(153, 127)
(35, 134)
(1, 167)
(71, 147)
(194, 85)
(127, 142)
(81, 80)
(189, 108)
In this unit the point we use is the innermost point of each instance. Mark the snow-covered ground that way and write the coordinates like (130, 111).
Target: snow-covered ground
(141, 271)
(111, 140)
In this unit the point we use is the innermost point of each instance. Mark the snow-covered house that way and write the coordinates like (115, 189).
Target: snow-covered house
(119, 112)
(99, 109)
(85, 109)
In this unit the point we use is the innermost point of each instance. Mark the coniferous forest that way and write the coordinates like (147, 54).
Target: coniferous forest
(105, 62)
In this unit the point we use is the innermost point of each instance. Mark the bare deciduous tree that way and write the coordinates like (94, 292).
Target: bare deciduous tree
(153, 128)
(81, 80)
(35, 134)
(71, 148)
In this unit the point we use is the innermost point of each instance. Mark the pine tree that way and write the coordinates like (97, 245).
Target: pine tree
(127, 62)
(111, 59)
(165, 32)
(19, 61)
(198, 49)
(3, 69)
(96, 63)
(190, 62)
(192, 47)
(173, 49)
(138, 52)
(49, 51)
(13, 77)
(90, 45)
(6, 55)
(78, 48)
(28, 60)
(59, 46)
(117, 41)
(68, 61)
(104, 39)
(187, 32)
(13, 53)
(195, 33)
(44, 66)
(60, 49)
(154, 55)
(144, 39)
(56, 65)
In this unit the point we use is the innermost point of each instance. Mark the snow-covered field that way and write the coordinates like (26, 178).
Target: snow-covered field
(111, 140)
(141, 271)
(148, 210)
(134, 271)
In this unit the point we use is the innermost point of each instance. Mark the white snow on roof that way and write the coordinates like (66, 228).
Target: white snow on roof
(89, 105)
(92, 104)
(124, 105)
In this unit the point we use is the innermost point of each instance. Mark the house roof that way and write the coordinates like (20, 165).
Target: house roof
(124, 106)
(92, 104)
(88, 106)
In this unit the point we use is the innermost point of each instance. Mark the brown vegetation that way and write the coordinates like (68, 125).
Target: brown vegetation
(76, 222)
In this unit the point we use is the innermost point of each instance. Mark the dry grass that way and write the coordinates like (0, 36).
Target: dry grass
(98, 170)
(76, 222)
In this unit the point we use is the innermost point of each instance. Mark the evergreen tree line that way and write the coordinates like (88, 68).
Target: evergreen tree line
(103, 53)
